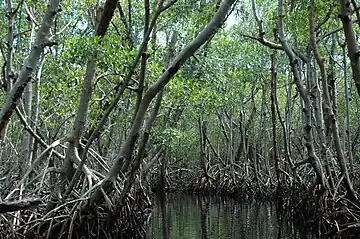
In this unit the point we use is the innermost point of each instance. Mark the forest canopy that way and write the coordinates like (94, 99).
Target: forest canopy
(103, 102)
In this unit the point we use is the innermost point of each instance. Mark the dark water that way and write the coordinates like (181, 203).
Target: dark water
(183, 216)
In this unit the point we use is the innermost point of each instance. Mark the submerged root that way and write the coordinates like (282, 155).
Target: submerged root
(314, 211)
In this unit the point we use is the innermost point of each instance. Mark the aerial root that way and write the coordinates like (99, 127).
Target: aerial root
(75, 219)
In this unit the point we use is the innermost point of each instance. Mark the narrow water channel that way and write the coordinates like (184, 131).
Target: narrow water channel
(184, 216)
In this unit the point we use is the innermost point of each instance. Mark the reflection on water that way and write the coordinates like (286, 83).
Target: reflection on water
(183, 216)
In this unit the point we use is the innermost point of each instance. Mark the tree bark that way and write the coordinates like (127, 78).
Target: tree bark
(29, 66)
(9, 74)
(19, 205)
(122, 86)
(273, 117)
(81, 116)
(126, 150)
(26, 154)
(319, 118)
(130, 177)
(329, 109)
(140, 88)
(351, 42)
(347, 114)
(313, 159)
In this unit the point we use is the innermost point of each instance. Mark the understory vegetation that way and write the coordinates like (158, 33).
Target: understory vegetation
(104, 103)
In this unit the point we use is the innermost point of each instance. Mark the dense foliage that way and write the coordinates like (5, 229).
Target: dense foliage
(117, 102)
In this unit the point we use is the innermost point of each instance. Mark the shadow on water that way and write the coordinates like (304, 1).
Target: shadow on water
(183, 216)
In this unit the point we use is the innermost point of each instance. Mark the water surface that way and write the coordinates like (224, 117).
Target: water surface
(184, 216)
